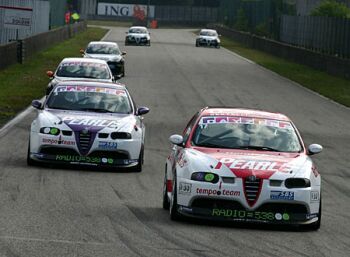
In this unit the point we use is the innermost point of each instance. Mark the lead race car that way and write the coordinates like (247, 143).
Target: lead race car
(88, 123)
(243, 165)
(138, 35)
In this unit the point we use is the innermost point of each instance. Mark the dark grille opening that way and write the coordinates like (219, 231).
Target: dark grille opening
(103, 135)
(67, 132)
(283, 208)
(251, 190)
(113, 155)
(215, 203)
(57, 150)
(84, 141)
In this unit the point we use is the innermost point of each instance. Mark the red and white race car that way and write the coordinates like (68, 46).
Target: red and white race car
(243, 165)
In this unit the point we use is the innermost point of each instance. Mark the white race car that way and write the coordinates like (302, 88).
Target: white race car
(88, 123)
(80, 69)
(208, 37)
(243, 165)
(109, 52)
(138, 36)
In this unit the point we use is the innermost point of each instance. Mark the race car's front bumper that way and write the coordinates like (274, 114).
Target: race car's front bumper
(71, 159)
(223, 201)
(137, 41)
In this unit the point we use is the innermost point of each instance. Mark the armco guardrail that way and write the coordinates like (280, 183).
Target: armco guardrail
(330, 64)
(20, 51)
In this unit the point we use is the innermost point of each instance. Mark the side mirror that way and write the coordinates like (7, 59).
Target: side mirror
(314, 149)
(50, 74)
(82, 51)
(142, 110)
(176, 140)
(123, 53)
(37, 104)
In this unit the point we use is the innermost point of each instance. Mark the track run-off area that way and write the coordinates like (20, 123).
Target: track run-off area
(77, 212)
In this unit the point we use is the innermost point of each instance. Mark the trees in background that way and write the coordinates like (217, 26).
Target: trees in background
(331, 8)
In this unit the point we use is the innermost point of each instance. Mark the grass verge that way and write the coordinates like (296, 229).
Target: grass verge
(335, 88)
(21, 83)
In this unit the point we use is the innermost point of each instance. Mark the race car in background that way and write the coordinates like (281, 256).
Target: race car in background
(109, 52)
(208, 37)
(83, 69)
(138, 35)
(88, 123)
(243, 165)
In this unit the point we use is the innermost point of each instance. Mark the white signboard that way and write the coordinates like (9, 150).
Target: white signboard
(126, 10)
(17, 17)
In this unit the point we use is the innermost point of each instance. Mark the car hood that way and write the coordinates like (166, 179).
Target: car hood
(207, 37)
(138, 35)
(105, 57)
(89, 121)
(243, 163)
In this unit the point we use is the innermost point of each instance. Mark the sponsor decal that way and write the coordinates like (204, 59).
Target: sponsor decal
(105, 90)
(209, 192)
(83, 159)
(181, 161)
(185, 188)
(125, 10)
(107, 145)
(86, 64)
(315, 171)
(90, 122)
(312, 215)
(258, 165)
(51, 141)
(282, 195)
(244, 120)
(314, 196)
(250, 215)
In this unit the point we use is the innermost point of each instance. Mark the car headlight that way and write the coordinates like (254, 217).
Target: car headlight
(205, 177)
(50, 131)
(120, 135)
(297, 183)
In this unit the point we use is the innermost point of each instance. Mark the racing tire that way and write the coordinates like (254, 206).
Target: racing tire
(316, 225)
(30, 161)
(123, 72)
(166, 202)
(138, 167)
(174, 214)
(149, 43)
(197, 45)
(217, 46)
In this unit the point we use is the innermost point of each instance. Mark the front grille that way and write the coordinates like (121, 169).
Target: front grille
(216, 203)
(252, 190)
(119, 155)
(283, 208)
(84, 141)
(51, 150)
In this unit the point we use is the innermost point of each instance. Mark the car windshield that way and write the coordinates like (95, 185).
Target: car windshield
(138, 31)
(102, 49)
(89, 98)
(246, 133)
(83, 70)
(208, 33)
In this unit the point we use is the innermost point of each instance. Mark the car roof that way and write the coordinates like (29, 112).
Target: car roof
(72, 59)
(102, 43)
(243, 112)
(90, 84)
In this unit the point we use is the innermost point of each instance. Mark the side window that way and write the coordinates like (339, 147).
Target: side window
(189, 127)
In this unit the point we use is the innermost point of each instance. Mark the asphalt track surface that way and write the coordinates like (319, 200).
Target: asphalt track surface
(75, 212)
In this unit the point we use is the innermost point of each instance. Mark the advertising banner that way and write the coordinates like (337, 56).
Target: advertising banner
(17, 17)
(126, 10)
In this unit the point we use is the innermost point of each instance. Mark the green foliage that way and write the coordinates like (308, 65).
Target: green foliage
(241, 21)
(331, 8)
(262, 29)
(21, 83)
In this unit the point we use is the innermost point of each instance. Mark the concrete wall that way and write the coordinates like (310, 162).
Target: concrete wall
(332, 65)
(8, 54)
